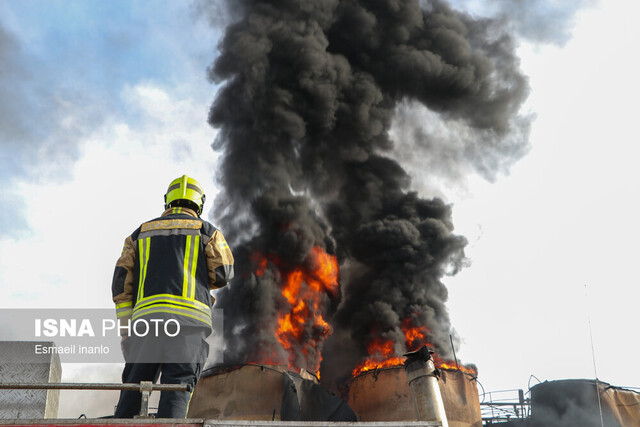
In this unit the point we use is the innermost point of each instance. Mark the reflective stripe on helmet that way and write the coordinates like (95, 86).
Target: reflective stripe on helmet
(195, 188)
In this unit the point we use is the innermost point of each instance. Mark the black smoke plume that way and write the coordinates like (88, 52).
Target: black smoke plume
(309, 93)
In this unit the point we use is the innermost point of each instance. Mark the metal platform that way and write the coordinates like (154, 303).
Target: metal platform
(173, 422)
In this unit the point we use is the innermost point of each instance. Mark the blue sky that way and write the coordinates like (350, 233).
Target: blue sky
(104, 45)
(67, 64)
(128, 78)
(103, 103)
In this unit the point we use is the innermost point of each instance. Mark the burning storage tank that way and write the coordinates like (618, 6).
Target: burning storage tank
(334, 250)
(339, 262)
(387, 394)
(384, 395)
(262, 392)
(237, 392)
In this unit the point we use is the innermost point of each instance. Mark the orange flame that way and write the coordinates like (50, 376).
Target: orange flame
(414, 336)
(381, 353)
(301, 326)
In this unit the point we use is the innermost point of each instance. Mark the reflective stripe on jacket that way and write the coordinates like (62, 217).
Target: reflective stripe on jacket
(167, 267)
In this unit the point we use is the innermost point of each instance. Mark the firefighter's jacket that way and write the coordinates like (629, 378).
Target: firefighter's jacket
(167, 267)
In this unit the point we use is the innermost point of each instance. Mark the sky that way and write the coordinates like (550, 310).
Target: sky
(102, 104)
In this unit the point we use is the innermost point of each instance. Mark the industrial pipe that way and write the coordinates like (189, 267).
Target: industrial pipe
(423, 381)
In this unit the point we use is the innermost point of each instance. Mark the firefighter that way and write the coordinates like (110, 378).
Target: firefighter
(163, 277)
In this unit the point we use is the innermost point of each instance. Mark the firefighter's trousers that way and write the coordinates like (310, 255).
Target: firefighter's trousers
(182, 369)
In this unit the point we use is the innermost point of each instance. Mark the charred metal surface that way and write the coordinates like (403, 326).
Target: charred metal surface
(247, 392)
(256, 392)
(460, 397)
(382, 395)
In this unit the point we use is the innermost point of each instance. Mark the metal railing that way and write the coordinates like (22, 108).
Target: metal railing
(145, 387)
(505, 405)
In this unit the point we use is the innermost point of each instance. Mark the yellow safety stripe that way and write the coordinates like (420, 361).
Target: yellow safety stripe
(190, 266)
(189, 402)
(178, 299)
(137, 312)
(193, 267)
(123, 312)
(144, 245)
(200, 319)
(141, 272)
(185, 268)
(187, 304)
(124, 309)
(166, 308)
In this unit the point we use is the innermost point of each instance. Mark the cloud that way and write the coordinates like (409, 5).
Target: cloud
(59, 83)
(37, 122)
(539, 21)
(40, 129)
(217, 14)
(11, 127)
(12, 218)
(77, 226)
(15, 136)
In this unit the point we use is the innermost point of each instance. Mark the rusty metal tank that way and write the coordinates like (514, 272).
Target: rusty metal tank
(264, 393)
(384, 395)
(221, 393)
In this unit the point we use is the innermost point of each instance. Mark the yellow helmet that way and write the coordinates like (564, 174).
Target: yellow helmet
(185, 189)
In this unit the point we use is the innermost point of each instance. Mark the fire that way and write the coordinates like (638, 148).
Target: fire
(301, 328)
(414, 336)
(382, 355)
(382, 352)
(453, 366)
